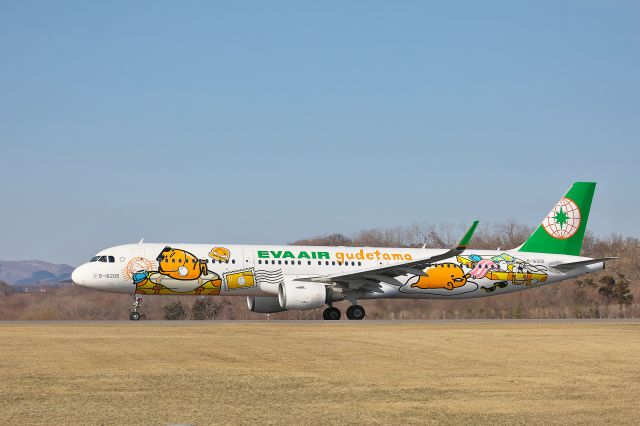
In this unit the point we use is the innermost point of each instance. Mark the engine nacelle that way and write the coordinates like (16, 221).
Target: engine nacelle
(301, 295)
(263, 305)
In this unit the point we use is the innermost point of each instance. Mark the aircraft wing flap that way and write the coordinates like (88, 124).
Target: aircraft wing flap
(363, 285)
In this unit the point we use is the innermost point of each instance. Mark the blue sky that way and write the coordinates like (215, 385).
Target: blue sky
(266, 122)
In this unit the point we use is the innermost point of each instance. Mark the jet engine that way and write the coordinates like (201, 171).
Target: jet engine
(301, 295)
(263, 305)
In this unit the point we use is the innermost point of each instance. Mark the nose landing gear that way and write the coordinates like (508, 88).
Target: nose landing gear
(137, 303)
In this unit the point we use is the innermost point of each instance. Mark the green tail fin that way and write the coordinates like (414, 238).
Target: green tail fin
(562, 231)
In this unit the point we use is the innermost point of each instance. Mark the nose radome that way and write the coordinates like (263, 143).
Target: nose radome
(77, 276)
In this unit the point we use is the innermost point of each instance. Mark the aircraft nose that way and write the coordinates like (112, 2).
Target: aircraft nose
(78, 276)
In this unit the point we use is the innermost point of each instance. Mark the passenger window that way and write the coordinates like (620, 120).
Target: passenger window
(286, 262)
(260, 262)
(299, 262)
(279, 262)
(309, 262)
(233, 261)
(359, 264)
(319, 262)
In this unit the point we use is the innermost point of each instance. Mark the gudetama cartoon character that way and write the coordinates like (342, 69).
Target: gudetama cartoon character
(180, 264)
(443, 275)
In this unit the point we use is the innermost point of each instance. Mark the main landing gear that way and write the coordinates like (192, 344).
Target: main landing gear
(137, 303)
(354, 312)
(331, 314)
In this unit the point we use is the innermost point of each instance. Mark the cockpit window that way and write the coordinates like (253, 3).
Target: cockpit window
(110, 259)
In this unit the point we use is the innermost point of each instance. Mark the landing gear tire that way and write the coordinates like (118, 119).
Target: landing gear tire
(331, 314)
(355, 312)
(137, 303)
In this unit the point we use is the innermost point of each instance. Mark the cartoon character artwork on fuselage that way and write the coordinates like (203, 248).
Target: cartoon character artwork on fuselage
(475, 273)
(177, 271)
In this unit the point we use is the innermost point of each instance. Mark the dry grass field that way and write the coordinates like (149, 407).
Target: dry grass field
(309, 373)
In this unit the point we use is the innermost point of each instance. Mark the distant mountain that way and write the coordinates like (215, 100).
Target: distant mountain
(29, 272)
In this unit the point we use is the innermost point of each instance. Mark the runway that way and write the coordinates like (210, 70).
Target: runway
(343, 322)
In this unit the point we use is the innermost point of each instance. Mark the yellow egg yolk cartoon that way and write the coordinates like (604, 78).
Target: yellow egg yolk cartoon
(180, 264)
(443, 275)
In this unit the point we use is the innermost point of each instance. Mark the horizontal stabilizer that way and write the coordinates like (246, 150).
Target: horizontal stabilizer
(566, 267)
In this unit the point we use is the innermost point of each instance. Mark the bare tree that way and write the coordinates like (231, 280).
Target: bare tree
(206, 308)
(174, 311)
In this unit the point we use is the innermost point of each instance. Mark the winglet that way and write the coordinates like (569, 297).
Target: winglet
(467, 237)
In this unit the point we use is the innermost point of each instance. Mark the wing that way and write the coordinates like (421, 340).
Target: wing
(370, 278)
(566, 267)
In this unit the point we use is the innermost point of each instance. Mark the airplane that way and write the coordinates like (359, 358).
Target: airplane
(277, 278)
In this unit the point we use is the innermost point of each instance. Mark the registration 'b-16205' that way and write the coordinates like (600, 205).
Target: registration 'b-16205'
(281, 278)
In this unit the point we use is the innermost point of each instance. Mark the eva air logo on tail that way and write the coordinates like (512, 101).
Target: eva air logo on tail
(563, 220)
(562, 230)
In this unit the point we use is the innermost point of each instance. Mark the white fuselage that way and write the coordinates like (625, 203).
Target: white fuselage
(253, 270)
